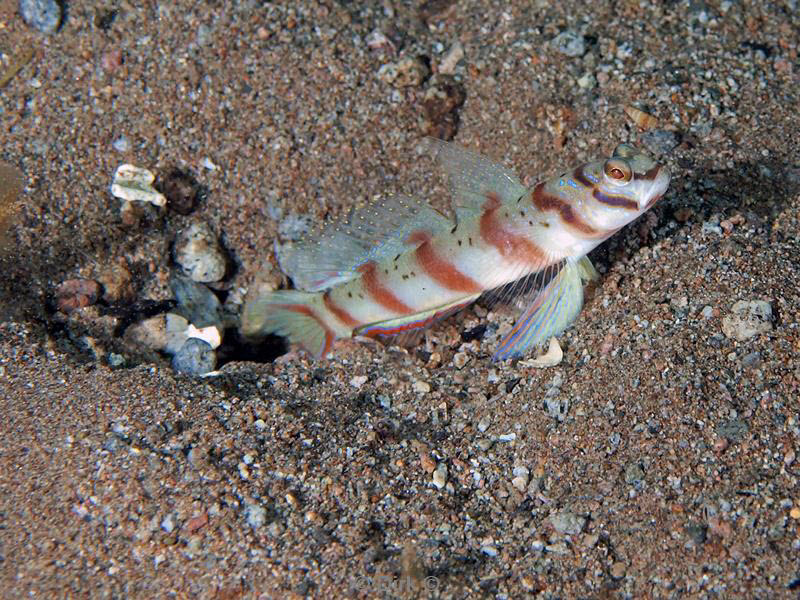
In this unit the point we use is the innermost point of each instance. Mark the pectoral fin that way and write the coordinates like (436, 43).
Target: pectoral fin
(552, 310)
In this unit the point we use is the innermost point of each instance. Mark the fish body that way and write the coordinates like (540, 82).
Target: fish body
(400, 265)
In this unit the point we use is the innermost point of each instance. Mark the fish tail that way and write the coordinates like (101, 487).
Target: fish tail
(299, 316)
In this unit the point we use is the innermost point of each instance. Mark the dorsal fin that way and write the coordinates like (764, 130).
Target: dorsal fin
(473, 176)
(372, 233)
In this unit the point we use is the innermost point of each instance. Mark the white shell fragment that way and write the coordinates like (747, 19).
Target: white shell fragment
(551, 358)
(135, 184)
(210, 335)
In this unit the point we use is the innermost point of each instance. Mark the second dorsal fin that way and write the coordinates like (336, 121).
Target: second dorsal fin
(372, 233)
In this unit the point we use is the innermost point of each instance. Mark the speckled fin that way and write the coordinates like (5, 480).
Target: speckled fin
(552, 310)
(473, 176)
(373, 233)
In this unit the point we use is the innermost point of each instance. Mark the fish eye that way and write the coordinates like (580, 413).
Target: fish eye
(617, 171)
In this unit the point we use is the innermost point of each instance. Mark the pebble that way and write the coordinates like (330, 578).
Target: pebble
(618, 570)
(489, 550)
(195, 357)
(74, 294)
(569, 43)
(450, 60)
(358, 381)
(748, 318)
(659, 141)
(196, 302)
(567, 523)
(633, 473)
(587, 81)
(175, 333)
(44, 15)
(199, 254)
(407, 72)
(440, 475)
(707, 312)
(460, 359)
(181, 190)
(443, 98)
(255, 514)
(557, 408)
(150, 333)
(422, 387)
(121, 144)
(117, 283)
(520, 480)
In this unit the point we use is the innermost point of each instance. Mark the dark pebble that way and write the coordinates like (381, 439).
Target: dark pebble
(44, 15)
(195, 357)
(196, 302)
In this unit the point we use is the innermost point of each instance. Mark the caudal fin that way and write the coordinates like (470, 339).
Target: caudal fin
(292, 314)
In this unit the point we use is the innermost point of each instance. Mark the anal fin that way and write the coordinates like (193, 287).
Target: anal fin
(415, 321)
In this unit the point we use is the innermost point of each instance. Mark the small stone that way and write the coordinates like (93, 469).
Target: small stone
(748, 318)
(196, 302)
(199, 254)
(451, 59)
(484, 444)
(507, 437)
(358, 381)
(618, 570)
(256, 515)
(44, 15)
(150, 333)
(707, 312)
(520, 483)
(460, 359)
(569, 43)
(633, 473)
(489, 550)
(568, 523)
(121, 144)
(407, 72)
(74, 294)
(439, 108)
(557, 408)
(795, 513)
(195, 357)
(168, 523)
(422, 387)
(117, 283)
(659, 141)
(587, 81)
(440, 475)
(181, 190)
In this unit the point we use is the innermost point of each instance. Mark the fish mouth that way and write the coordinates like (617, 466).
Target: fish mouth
(659, 187)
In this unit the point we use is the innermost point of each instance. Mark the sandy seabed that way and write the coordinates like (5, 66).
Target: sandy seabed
(658, 460)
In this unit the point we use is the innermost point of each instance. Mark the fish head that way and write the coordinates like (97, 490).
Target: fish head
(645, 179)
(623, 186)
